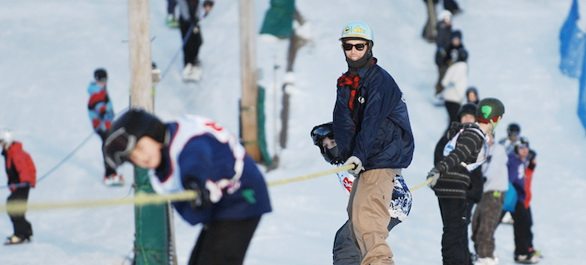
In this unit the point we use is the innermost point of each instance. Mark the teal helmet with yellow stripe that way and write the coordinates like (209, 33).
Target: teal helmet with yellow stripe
(357, 29)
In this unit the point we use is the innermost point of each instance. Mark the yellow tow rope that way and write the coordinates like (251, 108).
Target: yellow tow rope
(279, 182)
(421, 185)
(19, 207)
(141, 199)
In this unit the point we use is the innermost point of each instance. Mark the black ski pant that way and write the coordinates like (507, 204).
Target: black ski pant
(171, 4)
(450, 5)
(441, 72)
(522, 229)
(193, 42)
(223, 242)
(107, 168)
(455, 231)
(22, 227)
(346, 250)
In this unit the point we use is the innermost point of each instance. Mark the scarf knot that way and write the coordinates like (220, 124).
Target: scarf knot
(352, 81)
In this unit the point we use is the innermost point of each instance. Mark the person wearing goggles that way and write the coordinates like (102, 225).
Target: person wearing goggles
(195, 153)
(345, 250)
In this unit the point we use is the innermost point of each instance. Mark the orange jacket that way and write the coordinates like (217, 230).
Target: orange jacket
(528, 179)
(19, 165)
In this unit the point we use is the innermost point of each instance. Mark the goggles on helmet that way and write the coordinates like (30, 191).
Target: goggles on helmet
(118, 146)
(319, 133)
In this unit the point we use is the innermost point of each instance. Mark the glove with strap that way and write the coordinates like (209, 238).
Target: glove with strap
(357, 165)
(432, 177)
(202, 197)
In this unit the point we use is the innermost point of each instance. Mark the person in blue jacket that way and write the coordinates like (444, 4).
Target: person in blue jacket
(521, 165)
(195, 153)
(373, 133)
(101, 114)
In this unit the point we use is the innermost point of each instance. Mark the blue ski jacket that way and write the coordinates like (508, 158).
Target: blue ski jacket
(202, 151)
(381, 135)
(516, 168)
(99, 107)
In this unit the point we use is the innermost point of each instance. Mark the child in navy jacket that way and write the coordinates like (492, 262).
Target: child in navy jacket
(195, 153)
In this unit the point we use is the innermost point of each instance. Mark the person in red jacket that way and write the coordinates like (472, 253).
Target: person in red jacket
(22, 176)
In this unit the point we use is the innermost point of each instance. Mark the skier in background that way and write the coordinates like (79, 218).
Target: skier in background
(191, 37)
(195, 153)
(513, 136)
(487, 214)
(22, 176)
(521, 165)
(455, 80)
(101, 113)
(171, 19)
(472, 95)
(509, 142)
(450, 181)
(345, 250)
(443, 40)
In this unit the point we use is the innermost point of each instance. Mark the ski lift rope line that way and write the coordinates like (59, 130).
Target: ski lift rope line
(142, 199)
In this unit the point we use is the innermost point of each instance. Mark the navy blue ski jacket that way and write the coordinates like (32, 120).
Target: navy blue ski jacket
(382, 137)
(201, 151)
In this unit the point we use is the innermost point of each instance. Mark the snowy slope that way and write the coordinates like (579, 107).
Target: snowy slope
(48, 59)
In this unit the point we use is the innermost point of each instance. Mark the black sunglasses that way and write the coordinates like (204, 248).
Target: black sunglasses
(359, 46)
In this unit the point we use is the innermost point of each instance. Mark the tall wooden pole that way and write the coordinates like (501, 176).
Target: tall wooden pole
(248, 111)
(152, 234)
(140, 55)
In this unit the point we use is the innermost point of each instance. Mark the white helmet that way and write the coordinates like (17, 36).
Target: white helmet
(445, 14)
(6, 137)
(357, 29)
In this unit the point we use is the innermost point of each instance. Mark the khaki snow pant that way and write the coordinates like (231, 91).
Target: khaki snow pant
(485, 221)
(369, 214)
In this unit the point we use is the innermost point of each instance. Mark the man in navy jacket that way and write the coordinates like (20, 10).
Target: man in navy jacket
(373, 132)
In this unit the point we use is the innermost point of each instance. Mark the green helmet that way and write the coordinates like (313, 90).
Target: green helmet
(489, 110)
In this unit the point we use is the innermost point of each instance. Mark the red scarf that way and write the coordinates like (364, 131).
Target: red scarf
(352, 81)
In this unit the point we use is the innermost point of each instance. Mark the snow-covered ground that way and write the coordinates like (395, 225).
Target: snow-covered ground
(49, 50)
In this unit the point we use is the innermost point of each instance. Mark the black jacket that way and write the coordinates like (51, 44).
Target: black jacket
(455, 180)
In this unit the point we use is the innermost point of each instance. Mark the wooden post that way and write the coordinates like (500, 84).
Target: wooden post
(248, 109)
(152, 242)
(140, 55)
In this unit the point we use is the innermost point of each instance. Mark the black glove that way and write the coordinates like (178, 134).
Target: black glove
(202, 197)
